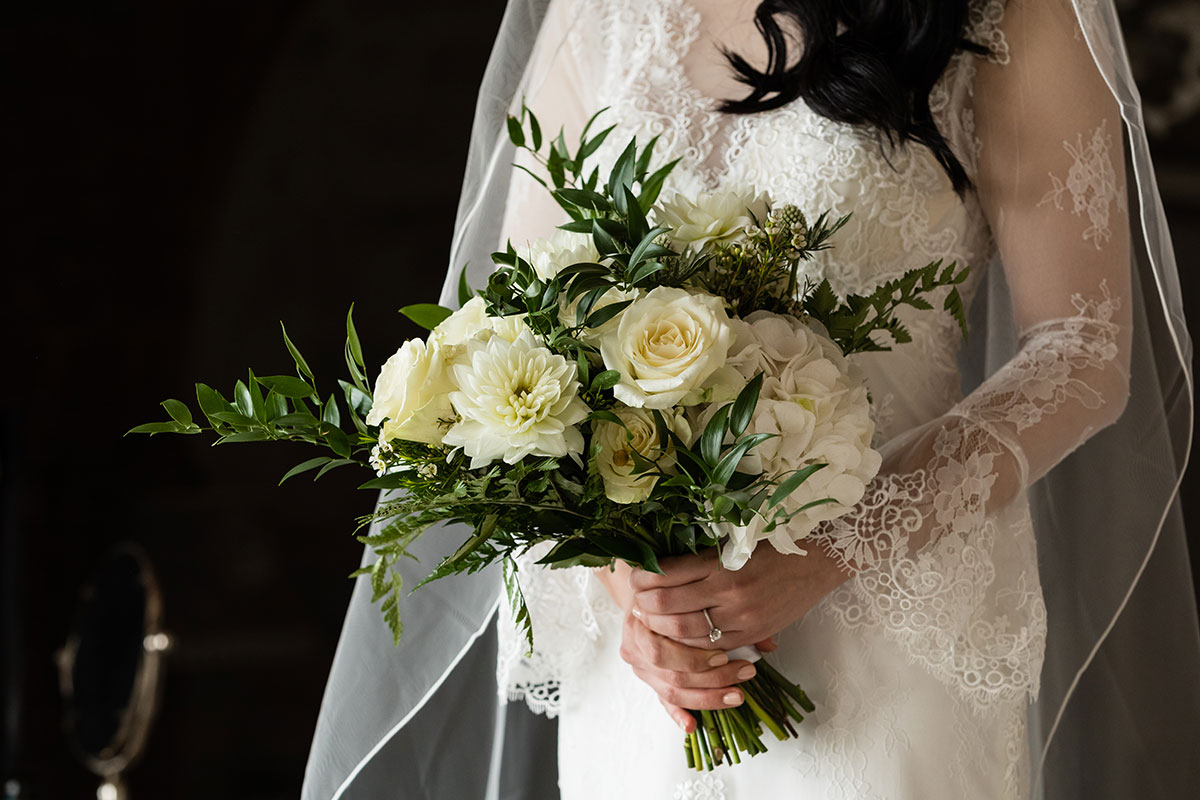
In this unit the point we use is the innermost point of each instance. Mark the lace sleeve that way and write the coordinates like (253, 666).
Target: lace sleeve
(1050, 181)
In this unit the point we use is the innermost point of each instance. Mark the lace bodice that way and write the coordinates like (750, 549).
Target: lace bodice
(942, 545)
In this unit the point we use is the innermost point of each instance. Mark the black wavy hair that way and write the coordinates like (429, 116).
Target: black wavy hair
(864, 62)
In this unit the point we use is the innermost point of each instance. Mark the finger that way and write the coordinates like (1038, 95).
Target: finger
(693, 596)
(724, 677)
(681, 716)
(677, 570)
(768, 645)
(687, 628)
(659, 651)
(695, 699)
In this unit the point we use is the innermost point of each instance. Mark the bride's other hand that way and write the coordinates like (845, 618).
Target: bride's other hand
(683, 677)
(749, 605)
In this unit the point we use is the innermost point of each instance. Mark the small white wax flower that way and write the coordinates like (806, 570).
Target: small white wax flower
(666, 345)
(515, 399)
(615, 461)
(712, 217)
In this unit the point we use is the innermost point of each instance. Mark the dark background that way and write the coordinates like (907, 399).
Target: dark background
(181, 177)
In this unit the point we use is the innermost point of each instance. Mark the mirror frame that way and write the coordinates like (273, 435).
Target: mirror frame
(129, 741)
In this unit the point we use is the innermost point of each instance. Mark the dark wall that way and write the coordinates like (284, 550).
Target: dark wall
(181, 177)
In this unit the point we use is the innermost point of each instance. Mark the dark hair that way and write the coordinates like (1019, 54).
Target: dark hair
(864, 62)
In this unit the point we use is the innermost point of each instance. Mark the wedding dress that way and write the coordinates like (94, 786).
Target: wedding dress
(923, 667)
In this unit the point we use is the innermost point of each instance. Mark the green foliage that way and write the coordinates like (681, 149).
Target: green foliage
(506, 509)
(853, 323)
(290, 411)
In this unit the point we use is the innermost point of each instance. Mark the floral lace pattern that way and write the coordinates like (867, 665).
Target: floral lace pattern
(1091, 184)
(944, 551)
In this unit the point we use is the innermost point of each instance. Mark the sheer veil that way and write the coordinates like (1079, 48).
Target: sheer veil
(1118, 713)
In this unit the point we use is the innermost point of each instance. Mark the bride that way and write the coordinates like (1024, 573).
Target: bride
(971, 630)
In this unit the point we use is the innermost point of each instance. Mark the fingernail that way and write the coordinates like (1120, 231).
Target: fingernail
(636, 613)
(718, 660)
(682, 723)
(746, 672)
(733, 699)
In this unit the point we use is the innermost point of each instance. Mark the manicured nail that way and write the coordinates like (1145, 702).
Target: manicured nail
(746, 672)
(733, 699)
(682, 723)
(718, 660)
(636, 613)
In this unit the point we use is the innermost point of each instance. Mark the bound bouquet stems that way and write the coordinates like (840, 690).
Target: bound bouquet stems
(772, 702)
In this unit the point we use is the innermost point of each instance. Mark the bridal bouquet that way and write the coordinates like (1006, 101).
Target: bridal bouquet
(658, 377)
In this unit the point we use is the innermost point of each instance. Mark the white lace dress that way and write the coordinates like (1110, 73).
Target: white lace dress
(921, 667)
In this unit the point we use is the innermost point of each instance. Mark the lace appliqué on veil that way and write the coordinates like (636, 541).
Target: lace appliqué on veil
(566, 611)
(1091, 184)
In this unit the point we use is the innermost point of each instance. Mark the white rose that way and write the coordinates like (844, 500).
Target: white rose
(666, 345)
(548, 257)
(568, 312)
(411, 394)
(515, 399)
(472, 321)
(615, 461)
(720, 217)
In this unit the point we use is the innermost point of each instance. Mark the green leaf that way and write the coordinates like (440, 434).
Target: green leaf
(352, 344)
(535, 130)
(243, 436)
(304, 466)
(593, 144)
(603, 315)
(729, 462)
(792, 482)
(606, 380)
(178, 411)
(330, 413)
(241, 396)
(516, 601)
(301, 364)
(287, 386)
(606, 416)
(464, 291)
(427, 315)
(257, 402)
(236, 419)
(606, 245)
(714, 436)
(393, 480)
(337, 441)
(652, 186)
(743, 407)
(622, 173)
(161, 427)
(210, 400)
(515, 134)
(334, 464)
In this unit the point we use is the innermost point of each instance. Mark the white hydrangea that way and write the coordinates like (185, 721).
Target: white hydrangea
(815, 403)
(515, 399)
(712, 217)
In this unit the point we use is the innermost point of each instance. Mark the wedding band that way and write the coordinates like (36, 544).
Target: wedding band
(714, 633)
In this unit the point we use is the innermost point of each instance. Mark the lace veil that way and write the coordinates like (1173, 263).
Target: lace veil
(1118, 711)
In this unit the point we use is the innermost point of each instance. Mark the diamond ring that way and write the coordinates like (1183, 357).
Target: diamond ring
(714, 633)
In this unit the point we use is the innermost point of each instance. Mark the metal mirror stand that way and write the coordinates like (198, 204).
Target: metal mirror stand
(110, 670)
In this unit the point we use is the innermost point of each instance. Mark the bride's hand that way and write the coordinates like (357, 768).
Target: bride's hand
(748, 605)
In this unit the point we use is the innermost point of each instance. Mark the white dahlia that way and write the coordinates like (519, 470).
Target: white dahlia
(515, 399)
